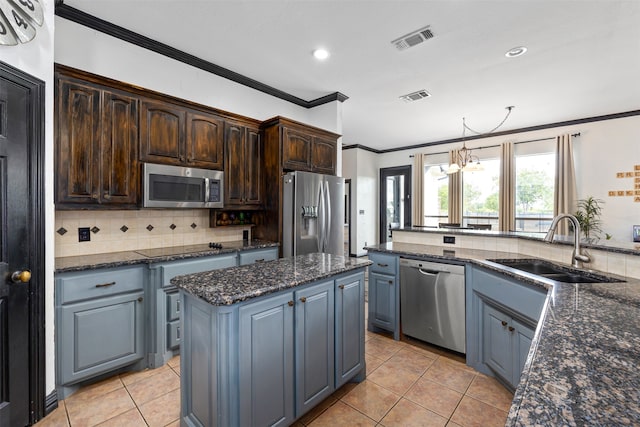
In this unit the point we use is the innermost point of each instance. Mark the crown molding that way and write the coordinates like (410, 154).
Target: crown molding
(75, 15)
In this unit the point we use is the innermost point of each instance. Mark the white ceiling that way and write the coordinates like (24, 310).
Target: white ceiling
(583, 57)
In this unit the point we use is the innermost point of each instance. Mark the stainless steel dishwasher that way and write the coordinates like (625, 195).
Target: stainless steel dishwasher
(432, 302)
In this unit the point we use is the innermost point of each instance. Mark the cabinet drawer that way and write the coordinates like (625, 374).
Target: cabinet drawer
(385, 264)
(169, 271)
(258, 256)
(173, 335)
(78, 286)
(173, 306)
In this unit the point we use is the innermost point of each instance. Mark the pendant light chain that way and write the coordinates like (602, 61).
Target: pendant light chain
(465, 126)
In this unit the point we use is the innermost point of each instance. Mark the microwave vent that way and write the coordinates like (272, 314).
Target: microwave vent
(413, 38)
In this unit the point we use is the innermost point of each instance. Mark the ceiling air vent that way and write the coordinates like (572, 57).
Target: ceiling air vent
(415, 96)
(413, 38)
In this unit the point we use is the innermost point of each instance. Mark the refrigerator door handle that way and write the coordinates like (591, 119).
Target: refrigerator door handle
(320, 219)
(327, 198)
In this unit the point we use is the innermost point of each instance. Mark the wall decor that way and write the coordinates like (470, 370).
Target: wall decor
(635, 193)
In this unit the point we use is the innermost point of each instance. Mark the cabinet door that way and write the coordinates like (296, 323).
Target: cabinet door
(496, 341)
(314, 342)
(253, 158)
(296, 150)
(99, 335)
(234, 170)
(522, 336)
(266, 364)
(349, 310)
(323, 156)
(162, 128)
(119, 149)
(205, 141)
(382, 300)
(77, 145)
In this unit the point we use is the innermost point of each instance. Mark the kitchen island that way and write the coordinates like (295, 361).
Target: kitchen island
(264, 343)
(581, 368)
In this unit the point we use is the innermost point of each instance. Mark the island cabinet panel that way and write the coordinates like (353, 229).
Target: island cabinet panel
(314, 341)
(267, 362)
(384, 294)
(96, 146)
(243, 166)
(162, 133)
(350, 326)
(502, 314)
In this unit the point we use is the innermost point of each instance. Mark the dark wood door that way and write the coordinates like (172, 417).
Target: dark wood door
(119, 150)
(296, 150)
(17, 222)
(205, 141)
(323, 156)
(253, 158)
(162, 133)
(78, 133)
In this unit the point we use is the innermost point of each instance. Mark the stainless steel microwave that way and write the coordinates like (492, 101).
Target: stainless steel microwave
(181, 187)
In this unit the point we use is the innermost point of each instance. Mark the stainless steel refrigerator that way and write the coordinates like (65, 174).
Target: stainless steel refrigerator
(313, 214)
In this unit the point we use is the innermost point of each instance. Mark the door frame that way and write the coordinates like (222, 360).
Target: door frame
(384, 173)
(36, 236)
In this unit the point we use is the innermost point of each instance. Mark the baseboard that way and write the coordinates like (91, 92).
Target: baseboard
(50, 402)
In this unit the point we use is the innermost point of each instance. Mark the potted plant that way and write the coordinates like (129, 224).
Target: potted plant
(588, 215)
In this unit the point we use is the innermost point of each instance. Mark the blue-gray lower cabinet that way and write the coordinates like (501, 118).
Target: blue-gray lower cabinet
(99, 324)
(257, 255)
(269, 360)
(314, 340)
(384, 293)
(165, 332)
(502, 314)
(349, 335)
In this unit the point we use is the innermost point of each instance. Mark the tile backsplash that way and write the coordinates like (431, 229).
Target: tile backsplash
(115, 231)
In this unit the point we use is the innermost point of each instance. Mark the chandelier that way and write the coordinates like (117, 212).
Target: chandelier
(465, 161)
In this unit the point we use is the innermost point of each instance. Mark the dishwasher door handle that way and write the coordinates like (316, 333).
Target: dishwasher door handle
(430, 272)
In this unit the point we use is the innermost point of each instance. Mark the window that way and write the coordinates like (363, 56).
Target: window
(480, 191)
(436, 194)
(534, 187)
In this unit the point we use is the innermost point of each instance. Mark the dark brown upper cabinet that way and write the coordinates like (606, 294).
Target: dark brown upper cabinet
(96, 146)
(243, 166)
(205, 143)
(304, 148)
(173, 135)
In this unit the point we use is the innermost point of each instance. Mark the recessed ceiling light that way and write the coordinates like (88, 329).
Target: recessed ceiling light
(321, 54)
(516, 51)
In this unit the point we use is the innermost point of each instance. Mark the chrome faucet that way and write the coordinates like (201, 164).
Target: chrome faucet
(577, 257)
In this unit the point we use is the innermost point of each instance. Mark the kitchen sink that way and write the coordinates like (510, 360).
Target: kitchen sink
(555, 272)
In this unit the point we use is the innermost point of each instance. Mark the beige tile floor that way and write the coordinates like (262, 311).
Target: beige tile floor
(408, 384)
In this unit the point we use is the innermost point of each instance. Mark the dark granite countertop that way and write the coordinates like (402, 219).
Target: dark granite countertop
(583, 365)
(236, 284)
(629, 248)
(149, 256)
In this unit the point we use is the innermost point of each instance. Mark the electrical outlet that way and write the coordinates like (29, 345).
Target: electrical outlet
(365, 243)
(449, 239)
(84, 234)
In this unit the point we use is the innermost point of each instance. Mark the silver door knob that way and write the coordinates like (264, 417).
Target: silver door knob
(21, 276)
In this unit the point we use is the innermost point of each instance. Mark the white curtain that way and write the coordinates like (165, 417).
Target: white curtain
(418, 189)
(565, 185)
(455, 192)
(506, 213)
